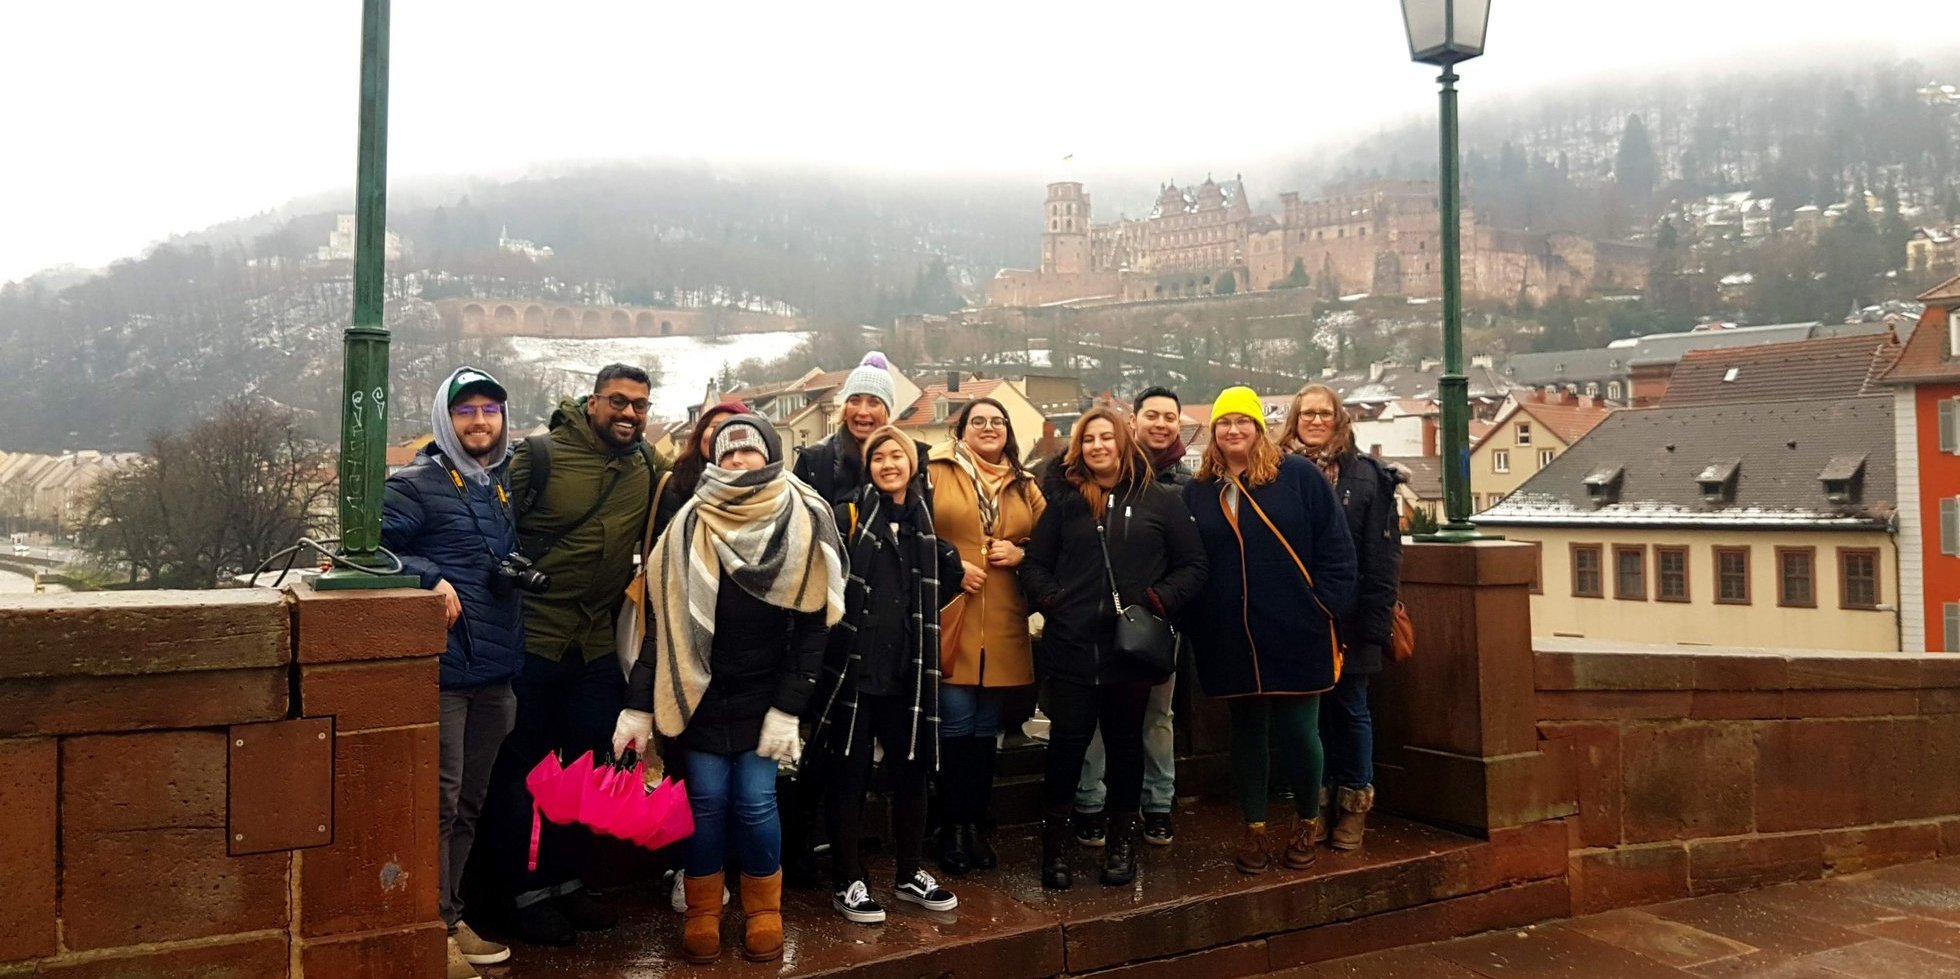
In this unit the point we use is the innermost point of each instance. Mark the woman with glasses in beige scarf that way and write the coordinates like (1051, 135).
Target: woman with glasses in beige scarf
(986, 503)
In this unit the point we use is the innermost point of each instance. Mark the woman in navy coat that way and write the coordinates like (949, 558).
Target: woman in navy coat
(1264, 629)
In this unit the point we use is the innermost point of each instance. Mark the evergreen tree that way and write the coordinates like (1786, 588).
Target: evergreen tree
(1634, 166)
(1227, 285)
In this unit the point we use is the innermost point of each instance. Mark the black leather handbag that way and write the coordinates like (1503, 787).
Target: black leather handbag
(1139, 634)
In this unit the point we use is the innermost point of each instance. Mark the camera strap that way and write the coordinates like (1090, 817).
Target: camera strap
(503, 497)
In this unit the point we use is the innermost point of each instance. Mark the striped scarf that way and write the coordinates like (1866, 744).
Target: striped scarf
(873, 529)
(771, 535)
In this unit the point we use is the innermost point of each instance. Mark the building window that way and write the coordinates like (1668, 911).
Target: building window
(1500, 461)
(1524, 433)
(1537, 567)
(1545, 457)
(1857, 577)
(1950, 526)
(1731, 576)
(1613, 390)
(1670, 574)
(1630, 572)
(1950, 425)
(1952, 643)
(1796, 575)
(1585, 572)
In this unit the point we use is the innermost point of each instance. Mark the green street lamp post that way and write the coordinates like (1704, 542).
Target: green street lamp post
(1443, 33)
(364, 380)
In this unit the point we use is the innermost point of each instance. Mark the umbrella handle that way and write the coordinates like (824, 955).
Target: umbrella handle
(537, 831)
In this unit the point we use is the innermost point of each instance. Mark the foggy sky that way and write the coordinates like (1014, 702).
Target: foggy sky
(134, 120)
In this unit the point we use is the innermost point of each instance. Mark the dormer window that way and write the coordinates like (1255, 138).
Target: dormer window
(1603, 484)
(1729, 376)
(1524, 433)
(1843, 477)
(1717, 481)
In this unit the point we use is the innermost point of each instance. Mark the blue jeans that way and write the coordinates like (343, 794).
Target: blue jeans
(1348, 732)
(747, 782)
(1159, 758)
(970, 712)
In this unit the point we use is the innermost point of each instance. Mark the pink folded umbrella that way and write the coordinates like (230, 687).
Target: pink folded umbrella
(610, 800)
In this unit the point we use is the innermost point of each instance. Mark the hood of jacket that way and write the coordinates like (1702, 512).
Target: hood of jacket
(571, 413)
(452, 446)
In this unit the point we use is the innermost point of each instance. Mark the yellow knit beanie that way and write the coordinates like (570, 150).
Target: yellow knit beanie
(1239, 401)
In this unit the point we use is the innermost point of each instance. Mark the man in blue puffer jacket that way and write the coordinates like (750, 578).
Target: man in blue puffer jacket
(448, 517)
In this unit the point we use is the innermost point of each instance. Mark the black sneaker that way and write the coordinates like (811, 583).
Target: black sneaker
(925, 892)
(1157, 828)
(1091, 828)
(584, 913)
(854, 902)
(542, 924)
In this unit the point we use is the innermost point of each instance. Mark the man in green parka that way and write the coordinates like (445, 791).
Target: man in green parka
(581, 495)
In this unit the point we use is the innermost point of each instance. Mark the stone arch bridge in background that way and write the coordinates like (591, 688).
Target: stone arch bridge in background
(533, 318)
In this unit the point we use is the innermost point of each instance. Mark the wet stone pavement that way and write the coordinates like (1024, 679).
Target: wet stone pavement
(1897, 923)
(1006, 925)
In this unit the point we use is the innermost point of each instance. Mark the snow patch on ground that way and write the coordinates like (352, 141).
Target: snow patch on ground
(685, 364)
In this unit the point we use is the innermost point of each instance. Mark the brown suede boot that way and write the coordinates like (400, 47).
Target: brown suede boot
(701, 923)
(1254, 854)
(762, 905)
(1352, 820)
(1300, 849)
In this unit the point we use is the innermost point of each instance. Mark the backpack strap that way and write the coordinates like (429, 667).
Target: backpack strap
(854, 519)
(538, 449)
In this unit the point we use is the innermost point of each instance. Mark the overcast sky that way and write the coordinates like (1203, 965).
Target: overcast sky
(130, 121)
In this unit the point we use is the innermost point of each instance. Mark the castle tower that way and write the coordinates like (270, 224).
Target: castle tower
(1065, 230)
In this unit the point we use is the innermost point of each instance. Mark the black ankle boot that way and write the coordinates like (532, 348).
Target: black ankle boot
(978, 849)
(1120, 852)
(954, 860)
(1054, 851)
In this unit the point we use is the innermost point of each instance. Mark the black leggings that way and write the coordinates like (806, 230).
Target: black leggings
(1074, 712)
(848, 777)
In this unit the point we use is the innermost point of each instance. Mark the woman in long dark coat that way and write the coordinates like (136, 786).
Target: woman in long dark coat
(1264, 631)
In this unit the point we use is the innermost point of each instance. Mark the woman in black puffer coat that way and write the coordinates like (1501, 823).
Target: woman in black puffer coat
(1102, 491)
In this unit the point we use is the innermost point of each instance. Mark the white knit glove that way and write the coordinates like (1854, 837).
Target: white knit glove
(780, 741)
(634, 730)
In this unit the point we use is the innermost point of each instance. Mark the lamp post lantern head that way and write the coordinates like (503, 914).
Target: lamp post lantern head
(1444, 32)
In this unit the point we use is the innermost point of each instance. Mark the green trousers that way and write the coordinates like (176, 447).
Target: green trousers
(1293, 723)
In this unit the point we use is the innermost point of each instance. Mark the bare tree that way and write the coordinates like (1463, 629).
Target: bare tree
(214, 501)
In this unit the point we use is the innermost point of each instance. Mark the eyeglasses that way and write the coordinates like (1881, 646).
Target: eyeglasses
(1317, 414)
(471, 411)
(1236, 422)
(621, 402)
(986, 421)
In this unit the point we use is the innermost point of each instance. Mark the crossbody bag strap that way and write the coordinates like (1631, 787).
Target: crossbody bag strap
(1109, 569)
(653, 509)
(1304, 573)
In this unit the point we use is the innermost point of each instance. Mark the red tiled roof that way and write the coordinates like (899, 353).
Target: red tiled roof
(1927, 356)
(1947, 292)
(920, 414)
(1823, 369)
(1569, 423)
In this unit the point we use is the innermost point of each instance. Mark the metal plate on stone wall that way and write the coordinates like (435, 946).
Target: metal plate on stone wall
(279, 792)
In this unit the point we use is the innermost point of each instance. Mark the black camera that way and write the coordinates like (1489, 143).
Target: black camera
(517, 571)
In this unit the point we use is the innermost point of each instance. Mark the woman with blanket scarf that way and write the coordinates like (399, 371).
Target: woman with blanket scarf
(881, 675)
(986, 503)
(749, 577)
(1110, 528)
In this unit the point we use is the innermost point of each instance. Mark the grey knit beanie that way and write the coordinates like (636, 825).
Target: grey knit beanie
(872, 376)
